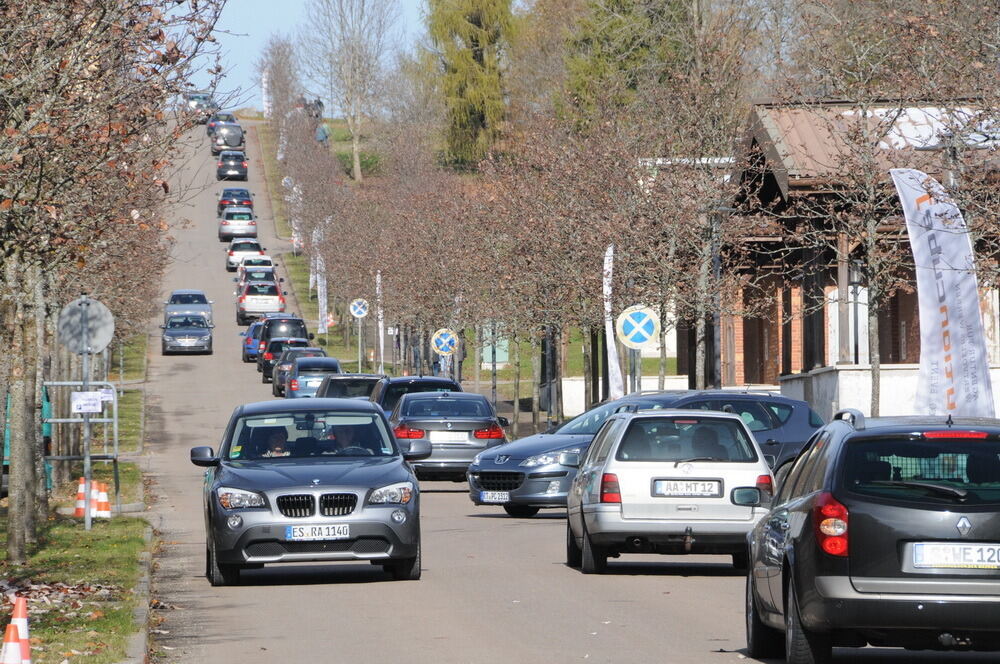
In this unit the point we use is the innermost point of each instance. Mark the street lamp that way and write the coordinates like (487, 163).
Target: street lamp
(854, 276)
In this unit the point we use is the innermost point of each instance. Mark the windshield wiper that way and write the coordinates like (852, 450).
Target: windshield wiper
(701, 458)
(951, 491)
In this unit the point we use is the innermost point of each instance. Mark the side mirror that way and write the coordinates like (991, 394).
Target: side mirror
(163, 327)
(569, 459)
(312, 336)
(417, 450)
(281, 280)
(204, 456)
(746, 496)
(284, 292)
(211, 301)
(504, 422)
(235, 280)
(212, 325)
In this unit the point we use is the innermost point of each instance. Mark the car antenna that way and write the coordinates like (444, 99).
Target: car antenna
(949, 421)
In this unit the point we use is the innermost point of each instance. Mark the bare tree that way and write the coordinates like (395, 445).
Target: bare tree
(343, 46)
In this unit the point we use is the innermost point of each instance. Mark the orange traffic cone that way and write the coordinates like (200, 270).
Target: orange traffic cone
(20, 620)
(81, 500)
(11, 653)
(103, 506)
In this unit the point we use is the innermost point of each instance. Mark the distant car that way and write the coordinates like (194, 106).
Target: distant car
(254, 261)
(187, 333)
(348, 386)
(885, 532)
(284, 364)
(233, 196)
(250, 339)
(256, 298)
(310, 480)
(216, 118)
(201, 104)
(389, 389)
(240, 247)
(227, 136)
(248, 275)
(231, 165)
(272, 349)
(666, 481)
(280, 325)
(307, 373)
(458, 425)
(237, 222)
(187, 301)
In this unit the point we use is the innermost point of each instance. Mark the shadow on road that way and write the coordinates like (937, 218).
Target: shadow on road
(618, 568)
(541, 516)
(310, 575)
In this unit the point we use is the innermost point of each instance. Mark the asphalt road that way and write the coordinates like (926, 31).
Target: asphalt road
(494, 589)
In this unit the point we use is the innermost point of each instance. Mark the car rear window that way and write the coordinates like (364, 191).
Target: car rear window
(278, 346)
(347, 388)
(261, 289)
(924, 471)
(188, 298)
(685, 438)
(394, 392)
(258, 275)
(245, 246)
(318, 373)
(442, 407)
(286, 328)
(239, 216)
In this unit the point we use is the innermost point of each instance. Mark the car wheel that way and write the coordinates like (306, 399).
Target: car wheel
(803, 646)
(243, 356)
(219, 575)
(274, 390)
(574, 556)
(264, 378)
(520, 511)
(407, 569)
(593, 558)
(239, 320)
(762, 641)
(741, 560)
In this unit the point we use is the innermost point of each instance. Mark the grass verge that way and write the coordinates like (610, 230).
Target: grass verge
(134, 360)
(272, 172)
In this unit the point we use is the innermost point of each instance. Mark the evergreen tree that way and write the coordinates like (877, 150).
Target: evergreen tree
(471, 37)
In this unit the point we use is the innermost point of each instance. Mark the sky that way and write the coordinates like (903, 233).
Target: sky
(246, 25)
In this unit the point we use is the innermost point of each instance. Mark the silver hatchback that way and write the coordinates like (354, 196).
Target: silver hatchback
(237, 222)
(666, 481)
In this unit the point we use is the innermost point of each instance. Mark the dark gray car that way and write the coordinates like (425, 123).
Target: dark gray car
(309, 480)
(886, 532)
(187, 333)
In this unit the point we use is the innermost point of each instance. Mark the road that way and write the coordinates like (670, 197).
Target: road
(494, 589)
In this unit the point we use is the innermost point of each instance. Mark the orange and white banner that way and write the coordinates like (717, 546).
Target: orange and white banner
(954, 368)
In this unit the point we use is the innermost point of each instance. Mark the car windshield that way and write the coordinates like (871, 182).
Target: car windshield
(308, 434)
(685, 438)
(955, 471)
(255, 289)
(188, 298)
(349, 387)
(445, 407)
(394, 392)
(589, 422)
(175, 322)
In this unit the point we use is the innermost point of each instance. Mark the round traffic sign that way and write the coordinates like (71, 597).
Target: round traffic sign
(98, 332)
(359, 308)
(444, 341)
(638, 326)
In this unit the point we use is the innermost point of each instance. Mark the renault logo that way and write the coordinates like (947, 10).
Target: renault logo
(501, 459)
(963, 526)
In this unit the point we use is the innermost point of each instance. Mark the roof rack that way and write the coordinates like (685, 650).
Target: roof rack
(855, 416)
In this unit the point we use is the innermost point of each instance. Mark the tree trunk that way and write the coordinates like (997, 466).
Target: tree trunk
(558, 373)
(477, 357)
(20, 454)
(536, 381)
(875, 358)
(355, 152)
(661, 378)
(45, 326)
(514, 422)
(588, 351)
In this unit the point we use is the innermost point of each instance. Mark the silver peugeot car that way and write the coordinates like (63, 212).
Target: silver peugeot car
(310, 480)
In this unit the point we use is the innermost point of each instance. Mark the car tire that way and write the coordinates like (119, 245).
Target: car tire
(593, 558)
(239, 320)
(574, 557)
(163, 351)
(264, 378)
(243, 356)
(803, 646)
(406, 569)
(762, 641)
(219, 575)
(520, 511)
(741, 561)
(274, 389)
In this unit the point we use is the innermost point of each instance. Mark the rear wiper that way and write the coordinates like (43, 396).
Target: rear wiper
(680, 461)
(951, 491)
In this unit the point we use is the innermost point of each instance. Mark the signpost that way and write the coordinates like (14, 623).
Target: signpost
(359, 309)
(85, 327)
(637, 327)
(444, 342)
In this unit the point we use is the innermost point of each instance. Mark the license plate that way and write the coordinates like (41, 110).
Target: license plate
(232, 172)
(687, 488)
(494, 496)
(956, 556)
(449, 436)
(314, 382)
(330, 532)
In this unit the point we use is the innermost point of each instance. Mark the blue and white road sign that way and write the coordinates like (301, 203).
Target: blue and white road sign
(444, 341)
(638, 326)
(359, 308)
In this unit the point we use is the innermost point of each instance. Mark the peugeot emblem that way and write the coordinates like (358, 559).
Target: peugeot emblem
(964, 526)
(316, 481)
(501, 459)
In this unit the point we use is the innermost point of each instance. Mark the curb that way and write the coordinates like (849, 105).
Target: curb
(127, 508)
(136, 652)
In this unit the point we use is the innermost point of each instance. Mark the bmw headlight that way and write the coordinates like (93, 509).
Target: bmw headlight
(234, 499)
(548, 458)
(395, 494)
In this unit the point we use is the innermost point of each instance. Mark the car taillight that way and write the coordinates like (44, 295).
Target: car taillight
(261, 252)
(244, 164)
(230, 252)
(252, 223)
(268, 356)
(403, 431)
(242, 301)
(225, 223)
(293, 385)
(261, 347)
(954, 434)
(830, 521)
(220, 164)
(766, 484)
(610, 490)
(491, 432)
